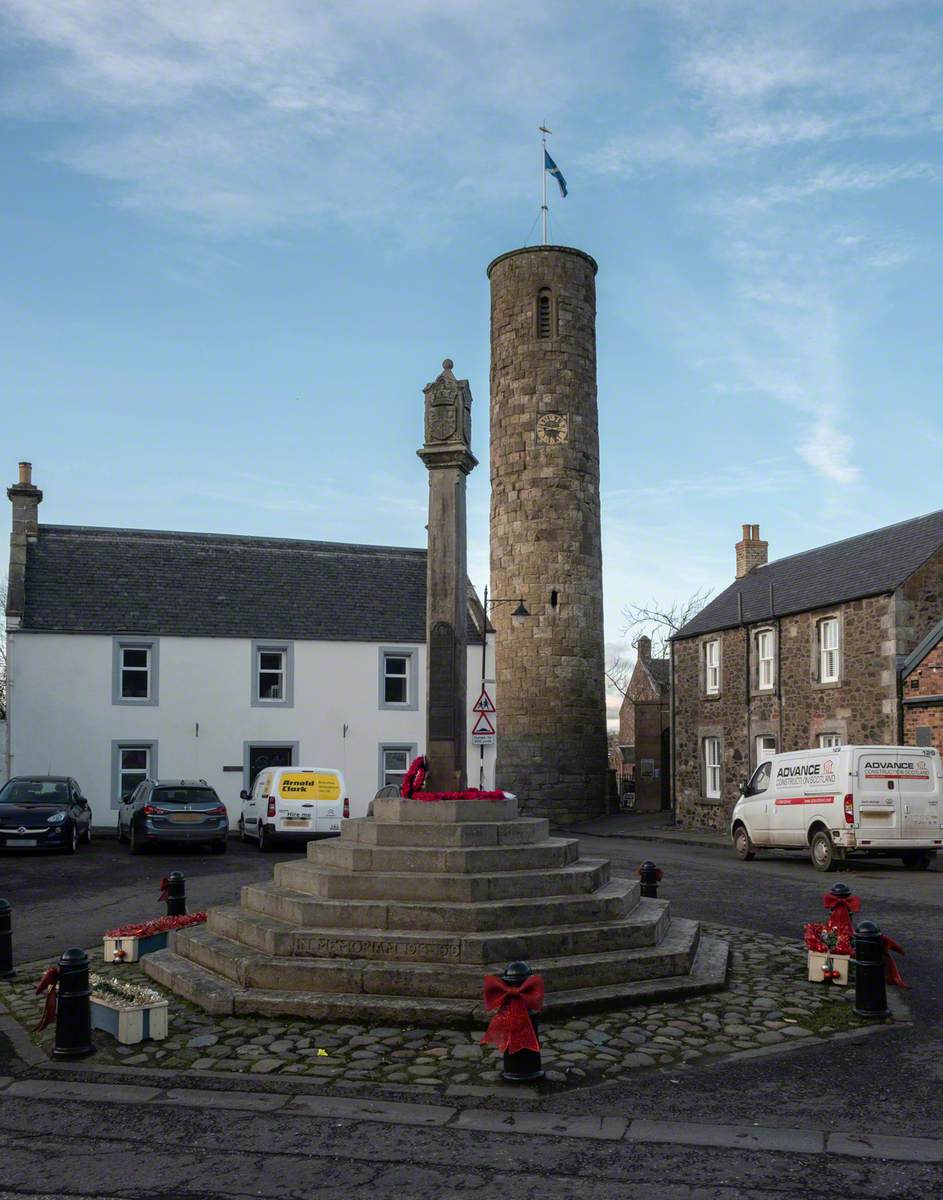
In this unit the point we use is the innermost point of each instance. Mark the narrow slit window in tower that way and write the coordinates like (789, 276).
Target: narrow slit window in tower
(543, 315)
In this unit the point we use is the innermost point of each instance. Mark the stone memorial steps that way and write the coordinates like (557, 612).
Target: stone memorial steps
(401, 918)
(524, 831)
(610, 902)
(345, 855)
(216, 995)
(644, 926)
(330, 883)
(253, 969)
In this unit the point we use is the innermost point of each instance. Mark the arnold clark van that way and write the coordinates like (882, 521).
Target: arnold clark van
(293, 803)
(880, 800)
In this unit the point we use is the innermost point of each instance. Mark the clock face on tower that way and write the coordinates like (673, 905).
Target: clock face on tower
(553, 428)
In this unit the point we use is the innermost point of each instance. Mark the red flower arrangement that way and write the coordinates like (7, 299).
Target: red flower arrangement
(411, 788)
(158, 925)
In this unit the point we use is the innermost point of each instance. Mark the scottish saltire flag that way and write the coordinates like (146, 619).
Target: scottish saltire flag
(551, 166)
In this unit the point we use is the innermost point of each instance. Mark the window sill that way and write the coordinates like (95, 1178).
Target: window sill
(826, 684)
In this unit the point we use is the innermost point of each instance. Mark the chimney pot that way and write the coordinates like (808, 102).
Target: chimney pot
(26, 472)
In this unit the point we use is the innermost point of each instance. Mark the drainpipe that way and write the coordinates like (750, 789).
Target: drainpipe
(672, 755)
(779, 676)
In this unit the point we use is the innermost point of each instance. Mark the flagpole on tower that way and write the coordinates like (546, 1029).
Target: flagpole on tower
(543, 180)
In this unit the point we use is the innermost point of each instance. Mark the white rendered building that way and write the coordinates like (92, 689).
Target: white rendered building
(205, 656)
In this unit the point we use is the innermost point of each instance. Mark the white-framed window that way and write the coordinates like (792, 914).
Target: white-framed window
(828, 650)
(394, 763)
(134, 675)
(271, 668)
(272, 674)
(765, 747)
(712, 667)
(765, 660)
(398, 681)
(712, 768)
(830, 741)
(131, 763)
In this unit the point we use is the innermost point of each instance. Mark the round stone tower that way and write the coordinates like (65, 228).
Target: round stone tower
(545, 534)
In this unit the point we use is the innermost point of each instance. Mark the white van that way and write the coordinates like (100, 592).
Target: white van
(293, 802)
(880, 800)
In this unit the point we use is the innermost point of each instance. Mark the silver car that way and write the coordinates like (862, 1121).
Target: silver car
(173, 810)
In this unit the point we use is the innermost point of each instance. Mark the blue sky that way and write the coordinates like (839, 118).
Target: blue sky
(238, 238)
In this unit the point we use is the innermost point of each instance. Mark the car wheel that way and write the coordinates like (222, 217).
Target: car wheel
(219, 847)
(73, 843)
(742, 846)
(264, 837)
(121, 838)
(242, 830)
(917, 860)
(134, 841)
(821, 851)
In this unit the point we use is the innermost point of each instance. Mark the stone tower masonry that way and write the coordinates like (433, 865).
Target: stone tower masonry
(545, 531)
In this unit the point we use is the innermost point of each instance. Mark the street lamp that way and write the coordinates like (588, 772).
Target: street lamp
(518, 616)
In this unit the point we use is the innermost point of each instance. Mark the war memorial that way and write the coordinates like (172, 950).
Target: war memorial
(414, 904)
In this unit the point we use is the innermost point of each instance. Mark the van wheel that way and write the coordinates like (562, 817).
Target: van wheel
(742, 846)
(265, 837)
(242, 830)
(918, 860)
(821, 851)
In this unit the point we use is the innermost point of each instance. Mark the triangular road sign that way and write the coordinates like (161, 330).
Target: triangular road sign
(484, 703)
(483, 725)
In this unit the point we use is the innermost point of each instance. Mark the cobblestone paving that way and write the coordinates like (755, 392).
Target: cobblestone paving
(768, 1002)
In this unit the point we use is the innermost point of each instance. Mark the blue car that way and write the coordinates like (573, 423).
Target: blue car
(44, 812)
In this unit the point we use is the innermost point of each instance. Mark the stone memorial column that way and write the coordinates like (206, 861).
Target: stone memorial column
(448, 458)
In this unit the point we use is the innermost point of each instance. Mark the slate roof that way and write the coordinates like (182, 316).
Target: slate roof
(113, 581)
(867, 565)
(660, 669)
(920, 652)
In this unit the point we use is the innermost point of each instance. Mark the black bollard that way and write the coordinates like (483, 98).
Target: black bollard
(523, 1066)
(870, 987)
(650, 875)
(6, 940)
(74, 1009)
(176, 894)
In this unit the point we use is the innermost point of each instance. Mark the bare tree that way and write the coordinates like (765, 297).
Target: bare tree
(659, 623)
(619, 672)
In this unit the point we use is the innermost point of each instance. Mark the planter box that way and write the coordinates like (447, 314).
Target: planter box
(130, 1024)
(133, 948)
(817, 967)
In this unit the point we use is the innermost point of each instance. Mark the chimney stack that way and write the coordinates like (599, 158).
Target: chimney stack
(751, 552)
(25, 499)
(644, 647)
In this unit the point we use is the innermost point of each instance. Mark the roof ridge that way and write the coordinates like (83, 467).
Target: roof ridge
(937, 512)
(254, 539)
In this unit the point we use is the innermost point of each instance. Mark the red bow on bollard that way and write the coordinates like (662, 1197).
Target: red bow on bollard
(840, 917)
(50, 981)
(511, 1028)
(891, 972)
(164, 894)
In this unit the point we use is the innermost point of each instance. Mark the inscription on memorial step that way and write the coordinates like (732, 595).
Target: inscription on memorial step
(318, 946)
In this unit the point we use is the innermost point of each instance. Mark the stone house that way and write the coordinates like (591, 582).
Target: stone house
(801, 652)
(922, 692)
(644, 725)
(135, 653)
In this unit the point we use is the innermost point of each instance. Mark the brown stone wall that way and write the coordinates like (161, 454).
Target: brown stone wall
(545, 532)
(861, 707)
(651, 719)
(920, 604)
(925, 680)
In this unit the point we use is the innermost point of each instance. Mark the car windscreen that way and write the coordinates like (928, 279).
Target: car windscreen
(185, 795)
(34, 791)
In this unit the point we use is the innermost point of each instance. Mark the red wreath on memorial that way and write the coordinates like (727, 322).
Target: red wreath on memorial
(414, 778)
(511, 1028)
(158, 925)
